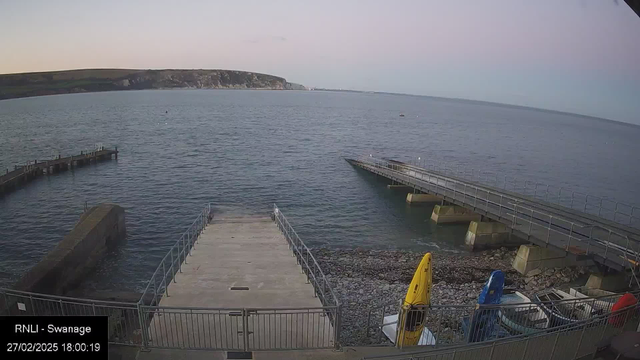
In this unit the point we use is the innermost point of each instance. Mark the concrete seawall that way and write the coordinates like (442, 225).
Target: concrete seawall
(98, 229)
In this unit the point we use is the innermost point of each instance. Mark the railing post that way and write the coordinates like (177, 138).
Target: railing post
(475, 198)
(586, 201)
(530, 222)
(555, 343)
(173, 274)
(400, 326)
(600, 207)
(570, 234)
(164, 278)
(337, 326)
(184, 249)
(549, 228)
(575, 355)
(590, 240)
(606, 249)
(143, 327)
(524, 351)
(572, 197)
(179, 259)
(493, 346)
(464, 196)
(245, 329)
(155, 289)
(546, 193)
(33, 308)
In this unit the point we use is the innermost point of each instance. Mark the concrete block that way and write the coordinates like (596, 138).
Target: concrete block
(482, 235)
(422, 198)
(610, 282)
(453, 214)
(532, 257)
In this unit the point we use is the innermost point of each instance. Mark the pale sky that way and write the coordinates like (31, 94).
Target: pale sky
(579, 56)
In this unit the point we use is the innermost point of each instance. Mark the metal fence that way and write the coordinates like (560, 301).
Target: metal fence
(448, 325)
(617, 211)
(124, 321)
(606, 244)
(245, 329)
(171, 263)
(569, 341)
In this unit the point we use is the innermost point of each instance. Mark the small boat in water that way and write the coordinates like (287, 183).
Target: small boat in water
(564, 308)
(522, 316)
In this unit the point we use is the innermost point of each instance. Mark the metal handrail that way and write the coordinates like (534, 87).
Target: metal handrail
(297, 244)
(170, 264)
(463, 191)
(598, 203)
(58, 298)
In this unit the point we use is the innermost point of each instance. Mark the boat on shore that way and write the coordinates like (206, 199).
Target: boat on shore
(390, 328)
(601, 301)
(483, 324)
(521, 315)
(408, 328)
(563, 308)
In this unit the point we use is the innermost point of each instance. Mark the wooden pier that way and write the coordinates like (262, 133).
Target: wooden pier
(21, 175)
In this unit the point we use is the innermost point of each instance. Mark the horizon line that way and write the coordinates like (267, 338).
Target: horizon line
(311, 88)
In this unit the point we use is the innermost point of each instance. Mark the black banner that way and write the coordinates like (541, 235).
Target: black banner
(42, 337)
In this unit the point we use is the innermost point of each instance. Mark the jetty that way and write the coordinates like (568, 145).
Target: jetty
(20, 175)
(557, 231)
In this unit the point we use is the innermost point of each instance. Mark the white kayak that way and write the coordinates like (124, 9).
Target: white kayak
(389, 327)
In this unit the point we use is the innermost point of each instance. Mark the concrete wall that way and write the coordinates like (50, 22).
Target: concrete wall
(64, 267)
(453, 214)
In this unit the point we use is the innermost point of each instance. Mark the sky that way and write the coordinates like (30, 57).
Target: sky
(580, 56)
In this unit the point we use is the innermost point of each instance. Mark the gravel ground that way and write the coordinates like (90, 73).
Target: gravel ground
(370, 279)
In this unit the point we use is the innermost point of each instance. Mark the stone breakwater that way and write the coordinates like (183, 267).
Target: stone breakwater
(364, 279)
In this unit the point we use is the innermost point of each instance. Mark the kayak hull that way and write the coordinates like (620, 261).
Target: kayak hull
(413, 314)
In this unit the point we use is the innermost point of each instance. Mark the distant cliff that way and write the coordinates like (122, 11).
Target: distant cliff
(91, 80)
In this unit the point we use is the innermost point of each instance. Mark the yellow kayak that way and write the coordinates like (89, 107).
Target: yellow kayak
(418, 295)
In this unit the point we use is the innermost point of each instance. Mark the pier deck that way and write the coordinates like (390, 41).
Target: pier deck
(578, 234)
(20, 175)
(241, 275)
(241, 252)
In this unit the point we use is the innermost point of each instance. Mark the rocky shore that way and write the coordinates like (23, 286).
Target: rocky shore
(367, 280)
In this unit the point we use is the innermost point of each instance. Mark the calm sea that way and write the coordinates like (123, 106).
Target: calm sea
(245, 150)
